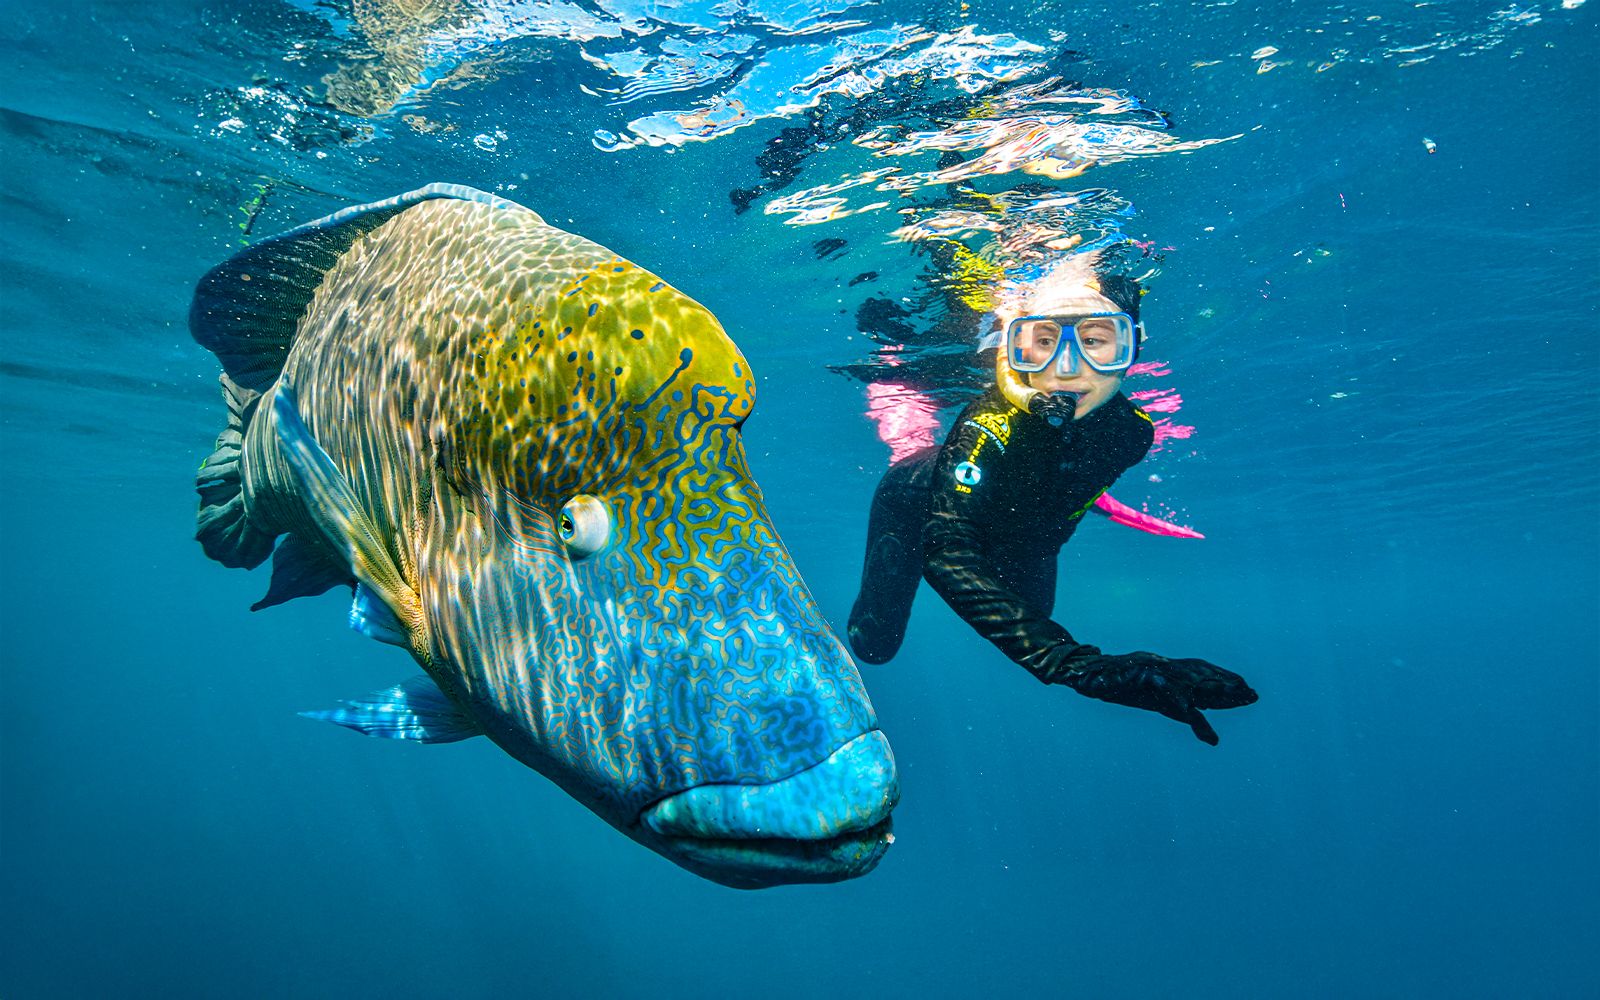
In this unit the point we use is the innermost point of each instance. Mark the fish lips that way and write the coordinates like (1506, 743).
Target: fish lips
(827, 823)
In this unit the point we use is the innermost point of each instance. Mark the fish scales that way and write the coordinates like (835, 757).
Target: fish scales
(437, 333)
(469, 371)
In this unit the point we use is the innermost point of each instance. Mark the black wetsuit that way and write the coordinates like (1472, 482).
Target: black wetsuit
(984, 517)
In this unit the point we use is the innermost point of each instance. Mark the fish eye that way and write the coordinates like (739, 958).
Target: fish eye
(584, 525)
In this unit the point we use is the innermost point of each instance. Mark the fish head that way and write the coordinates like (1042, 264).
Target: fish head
(620, 610)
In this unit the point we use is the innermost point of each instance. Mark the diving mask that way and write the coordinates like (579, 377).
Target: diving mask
(1106, 342)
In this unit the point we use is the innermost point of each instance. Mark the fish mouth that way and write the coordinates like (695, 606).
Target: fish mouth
(827, 823)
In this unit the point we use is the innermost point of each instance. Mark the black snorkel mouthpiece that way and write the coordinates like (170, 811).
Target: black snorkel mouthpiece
(1057, 408)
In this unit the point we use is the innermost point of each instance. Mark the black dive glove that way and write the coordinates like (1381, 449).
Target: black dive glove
(1057, 409)
(1178, 689)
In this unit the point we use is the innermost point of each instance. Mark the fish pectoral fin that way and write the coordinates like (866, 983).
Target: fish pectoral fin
(415, 710)
(372, 618)
(337, 512)
(301, 569)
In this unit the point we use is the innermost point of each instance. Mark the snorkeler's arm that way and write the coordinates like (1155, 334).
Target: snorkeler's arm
(954, 560)
(1180, 689)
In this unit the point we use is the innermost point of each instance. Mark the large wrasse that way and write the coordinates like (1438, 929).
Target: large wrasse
(523, 453)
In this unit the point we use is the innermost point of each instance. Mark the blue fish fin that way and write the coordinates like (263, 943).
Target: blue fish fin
(372, 618)
(301, 569)
(415, 710)
(246, 309)
(336, 511)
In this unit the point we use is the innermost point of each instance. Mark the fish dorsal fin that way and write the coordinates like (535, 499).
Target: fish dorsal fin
(346, 528)
(246, 309)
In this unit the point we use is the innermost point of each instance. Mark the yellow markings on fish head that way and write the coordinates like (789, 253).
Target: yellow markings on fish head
(594, 376)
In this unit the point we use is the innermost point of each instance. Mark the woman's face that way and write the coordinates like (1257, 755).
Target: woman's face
(1093, 388)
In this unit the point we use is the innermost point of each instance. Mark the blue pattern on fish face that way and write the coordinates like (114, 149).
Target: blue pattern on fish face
(688, 652)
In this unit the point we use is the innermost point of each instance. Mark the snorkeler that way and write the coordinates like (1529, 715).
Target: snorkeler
(984, 517)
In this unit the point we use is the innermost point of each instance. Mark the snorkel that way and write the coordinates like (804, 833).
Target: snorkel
(1056, 408)
(1017, 392)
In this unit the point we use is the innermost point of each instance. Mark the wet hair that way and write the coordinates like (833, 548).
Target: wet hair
(1122, 290)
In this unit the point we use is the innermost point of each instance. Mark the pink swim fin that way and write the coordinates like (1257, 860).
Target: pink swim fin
(1121, 513)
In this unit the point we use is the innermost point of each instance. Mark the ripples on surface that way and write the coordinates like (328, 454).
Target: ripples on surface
(966, 138)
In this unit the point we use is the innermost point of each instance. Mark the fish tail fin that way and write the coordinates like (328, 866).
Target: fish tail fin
(223, 526)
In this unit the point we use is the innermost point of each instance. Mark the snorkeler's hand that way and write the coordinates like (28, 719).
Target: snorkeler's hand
(1058, 409)
(1178, 689)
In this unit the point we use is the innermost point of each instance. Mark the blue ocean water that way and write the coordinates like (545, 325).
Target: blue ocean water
(1379, 304)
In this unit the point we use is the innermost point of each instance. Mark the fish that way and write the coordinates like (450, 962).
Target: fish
(523, 453)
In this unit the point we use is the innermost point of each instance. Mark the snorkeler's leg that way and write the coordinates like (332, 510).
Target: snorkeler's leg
(893, 564)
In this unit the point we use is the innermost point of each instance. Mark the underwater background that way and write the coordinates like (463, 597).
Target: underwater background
(1370, 230)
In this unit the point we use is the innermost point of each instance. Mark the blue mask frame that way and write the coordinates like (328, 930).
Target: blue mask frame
(1128, 334)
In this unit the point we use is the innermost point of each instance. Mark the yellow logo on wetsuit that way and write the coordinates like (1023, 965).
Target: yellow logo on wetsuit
(968, 473)
(995, 424)
(995, 427)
